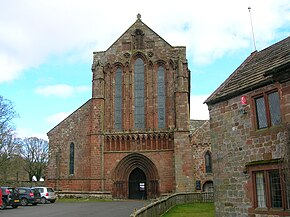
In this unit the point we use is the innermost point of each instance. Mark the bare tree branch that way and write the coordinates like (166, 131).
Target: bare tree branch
(35, 153)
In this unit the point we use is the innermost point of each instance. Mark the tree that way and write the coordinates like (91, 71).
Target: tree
(8, 147)
(35, 154)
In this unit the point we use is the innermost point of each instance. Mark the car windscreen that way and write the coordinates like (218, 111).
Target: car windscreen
(39, 189)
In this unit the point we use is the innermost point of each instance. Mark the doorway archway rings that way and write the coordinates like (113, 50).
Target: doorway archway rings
(124, 169)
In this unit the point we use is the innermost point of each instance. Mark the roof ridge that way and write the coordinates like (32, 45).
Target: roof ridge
(251, 73)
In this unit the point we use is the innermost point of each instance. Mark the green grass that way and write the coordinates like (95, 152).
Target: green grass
(191, 210)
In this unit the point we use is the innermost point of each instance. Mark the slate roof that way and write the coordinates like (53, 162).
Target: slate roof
(195, 124)
(253, 72)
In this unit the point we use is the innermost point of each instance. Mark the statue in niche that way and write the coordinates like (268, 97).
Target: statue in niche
(139, 35)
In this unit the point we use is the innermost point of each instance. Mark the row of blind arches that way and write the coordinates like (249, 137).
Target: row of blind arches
(139, 97)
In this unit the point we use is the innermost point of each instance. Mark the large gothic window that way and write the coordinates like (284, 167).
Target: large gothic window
(71, 158)
(118, 99)
(161, 97)
(139, 111)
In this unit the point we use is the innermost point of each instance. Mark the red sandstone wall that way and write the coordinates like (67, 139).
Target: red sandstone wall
(162, 159)
(73, 129)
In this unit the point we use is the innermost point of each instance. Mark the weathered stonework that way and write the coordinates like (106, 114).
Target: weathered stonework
(105, 157)
(200, 140)
(239, 148)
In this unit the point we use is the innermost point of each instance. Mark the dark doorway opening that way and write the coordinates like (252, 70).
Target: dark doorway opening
(137, 185)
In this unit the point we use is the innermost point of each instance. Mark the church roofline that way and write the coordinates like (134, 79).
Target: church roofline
(68, 116)
(138, 21)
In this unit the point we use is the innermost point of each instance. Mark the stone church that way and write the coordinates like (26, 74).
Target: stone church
(132, 138)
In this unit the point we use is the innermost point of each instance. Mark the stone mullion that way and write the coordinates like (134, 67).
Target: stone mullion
(146, 103)
(154, 96)
(150, 112)
(111, 98)
(167, 95)
(169, 98)
(107, 92)
(131, 95)
(124, 98)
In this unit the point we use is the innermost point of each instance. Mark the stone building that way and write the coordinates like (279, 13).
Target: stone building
(249, 123)
(202, 156)
(131, 139)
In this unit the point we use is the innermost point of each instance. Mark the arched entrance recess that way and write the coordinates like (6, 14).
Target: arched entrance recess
(208, 186)
(135, 177)
(137, 185)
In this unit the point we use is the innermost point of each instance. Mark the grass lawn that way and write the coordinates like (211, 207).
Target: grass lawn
(191, 210)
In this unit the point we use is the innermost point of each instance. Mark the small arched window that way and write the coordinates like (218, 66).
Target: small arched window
(118, 99)
(139, 111)
(208, 162)
(161, 97)
(208, 186)
(71, 158)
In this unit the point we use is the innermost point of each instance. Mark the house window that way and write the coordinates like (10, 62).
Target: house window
(118, 99)
(269, 189)
(71, 158)
(208, 164)
(161, 97)
(268, 110)
(260, 190)
(139, 111)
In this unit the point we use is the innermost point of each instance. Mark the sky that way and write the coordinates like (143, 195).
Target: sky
(46, 47)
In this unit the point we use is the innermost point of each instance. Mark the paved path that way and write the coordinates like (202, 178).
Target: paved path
(75, 209)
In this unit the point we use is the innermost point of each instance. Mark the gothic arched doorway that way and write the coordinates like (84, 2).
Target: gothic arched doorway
(135, 177)
(137, 185)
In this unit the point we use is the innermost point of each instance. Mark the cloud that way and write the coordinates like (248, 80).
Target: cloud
(57, 118)
(26, 133)
(61, 90)
(72, 30)
(11, 67)
(198, 110)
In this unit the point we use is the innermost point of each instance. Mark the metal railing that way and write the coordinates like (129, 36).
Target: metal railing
(162, 205)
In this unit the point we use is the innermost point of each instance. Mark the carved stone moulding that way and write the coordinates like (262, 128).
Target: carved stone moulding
(150, 54)
(127, 55)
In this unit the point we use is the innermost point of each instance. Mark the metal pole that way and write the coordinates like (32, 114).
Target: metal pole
(253, 36)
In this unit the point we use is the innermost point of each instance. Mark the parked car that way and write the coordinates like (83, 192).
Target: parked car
(1, 203)
(28, 196)
(10, 197)
(47, 194)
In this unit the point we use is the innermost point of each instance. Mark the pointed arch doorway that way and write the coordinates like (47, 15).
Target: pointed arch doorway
(135, 177)
(137, 185)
